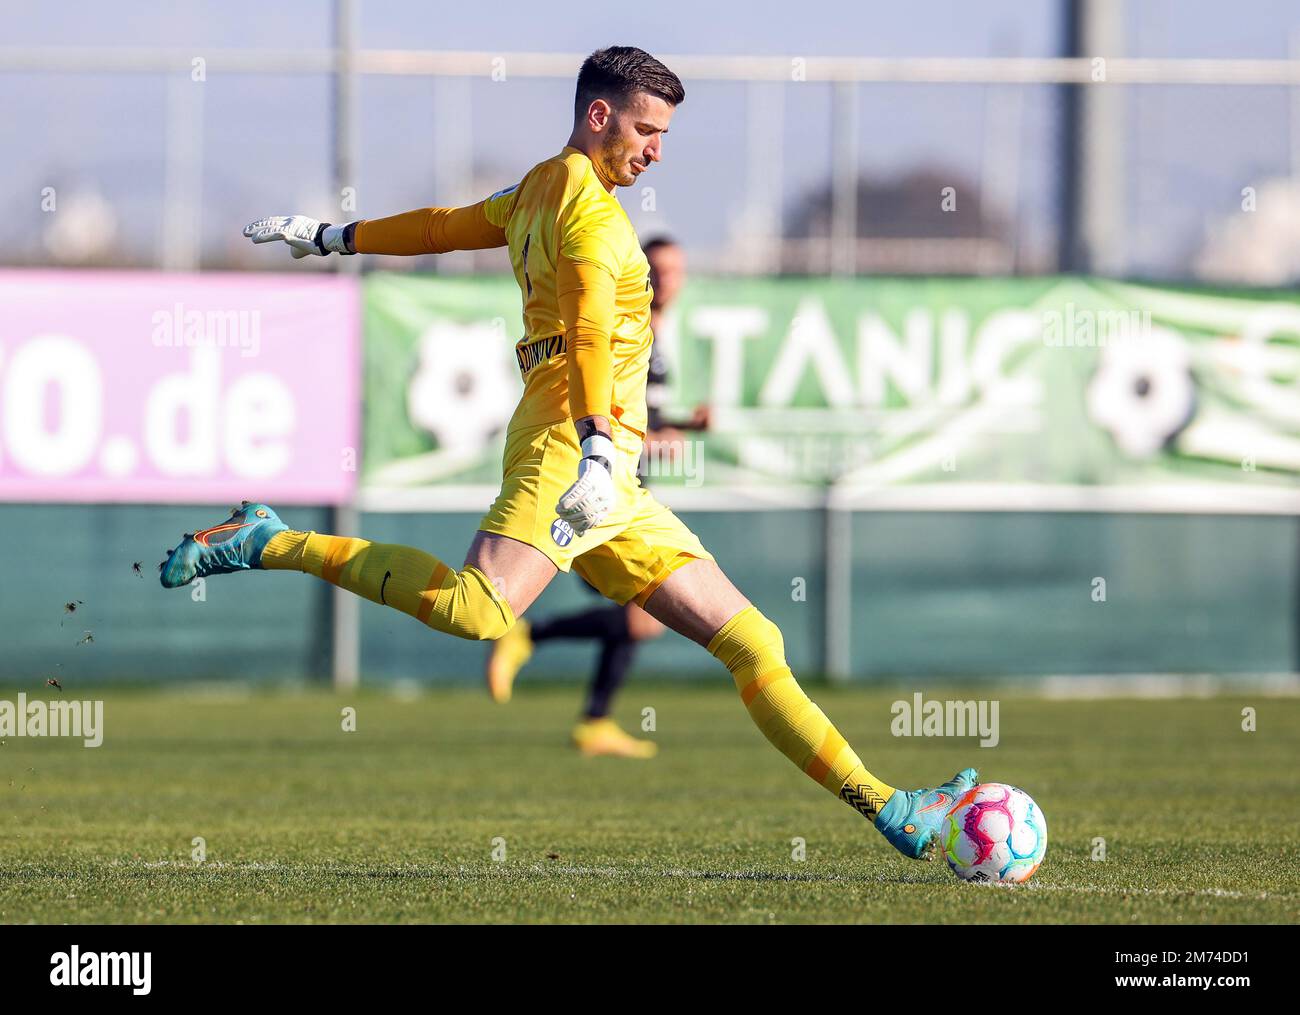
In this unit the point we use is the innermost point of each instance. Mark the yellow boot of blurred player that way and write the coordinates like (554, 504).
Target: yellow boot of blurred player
(506, 658)
(595, 737)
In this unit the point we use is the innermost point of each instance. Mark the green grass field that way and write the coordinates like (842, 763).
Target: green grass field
(396, 822)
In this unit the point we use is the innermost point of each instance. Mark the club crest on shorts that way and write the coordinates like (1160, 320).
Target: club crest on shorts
(561, 532)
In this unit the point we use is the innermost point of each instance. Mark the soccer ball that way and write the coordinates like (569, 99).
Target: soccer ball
(994, 832)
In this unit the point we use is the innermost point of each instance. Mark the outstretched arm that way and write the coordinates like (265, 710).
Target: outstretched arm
(429, 231)
(423, 231)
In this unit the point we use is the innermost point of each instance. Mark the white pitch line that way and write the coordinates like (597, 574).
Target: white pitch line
(1115, 890)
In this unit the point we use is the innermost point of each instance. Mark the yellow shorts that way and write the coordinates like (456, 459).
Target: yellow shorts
(629, 554)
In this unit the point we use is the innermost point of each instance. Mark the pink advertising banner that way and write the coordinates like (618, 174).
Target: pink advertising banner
(160, 388)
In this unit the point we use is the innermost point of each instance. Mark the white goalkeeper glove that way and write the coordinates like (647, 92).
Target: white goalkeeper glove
(589, 500)
(304, 236)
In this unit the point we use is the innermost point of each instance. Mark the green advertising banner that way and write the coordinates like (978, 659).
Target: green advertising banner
(440, 378)
(872, 384)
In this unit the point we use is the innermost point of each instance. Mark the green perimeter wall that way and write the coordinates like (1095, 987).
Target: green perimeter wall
(935, 594)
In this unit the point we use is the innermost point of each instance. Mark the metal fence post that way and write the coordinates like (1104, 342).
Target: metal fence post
(346, 608)
(838, 547)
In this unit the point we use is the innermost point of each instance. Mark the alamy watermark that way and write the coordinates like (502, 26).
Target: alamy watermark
(935, 718)
(1084, 328)
(75, 968)
(182, 328)
(678, 458)
(84, 719)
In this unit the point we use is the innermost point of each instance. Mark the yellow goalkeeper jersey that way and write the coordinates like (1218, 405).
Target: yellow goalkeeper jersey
(561, 209)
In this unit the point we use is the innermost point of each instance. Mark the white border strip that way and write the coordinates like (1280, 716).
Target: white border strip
(1198, 499)
(1086, 687)
(440, 499)
(1201, 499)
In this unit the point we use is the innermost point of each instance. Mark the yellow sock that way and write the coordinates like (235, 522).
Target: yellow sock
(750, 646)
(463, 603)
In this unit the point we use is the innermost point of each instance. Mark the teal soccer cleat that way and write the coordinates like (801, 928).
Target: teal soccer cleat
(234, 545)
(911, 818)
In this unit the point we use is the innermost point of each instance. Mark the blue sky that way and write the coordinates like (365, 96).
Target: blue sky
(266, 139)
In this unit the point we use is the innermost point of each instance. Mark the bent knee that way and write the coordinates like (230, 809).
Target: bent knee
(495, 627)
(487, 627)
(477, 611)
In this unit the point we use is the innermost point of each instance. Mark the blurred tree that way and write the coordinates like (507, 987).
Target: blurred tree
(929, 220)
(1260, 244)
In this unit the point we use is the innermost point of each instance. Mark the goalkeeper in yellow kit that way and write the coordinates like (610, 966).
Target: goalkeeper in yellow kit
(570, 496)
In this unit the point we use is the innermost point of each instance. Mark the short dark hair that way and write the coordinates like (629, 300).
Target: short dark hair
(616, 73)
(658, 243)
